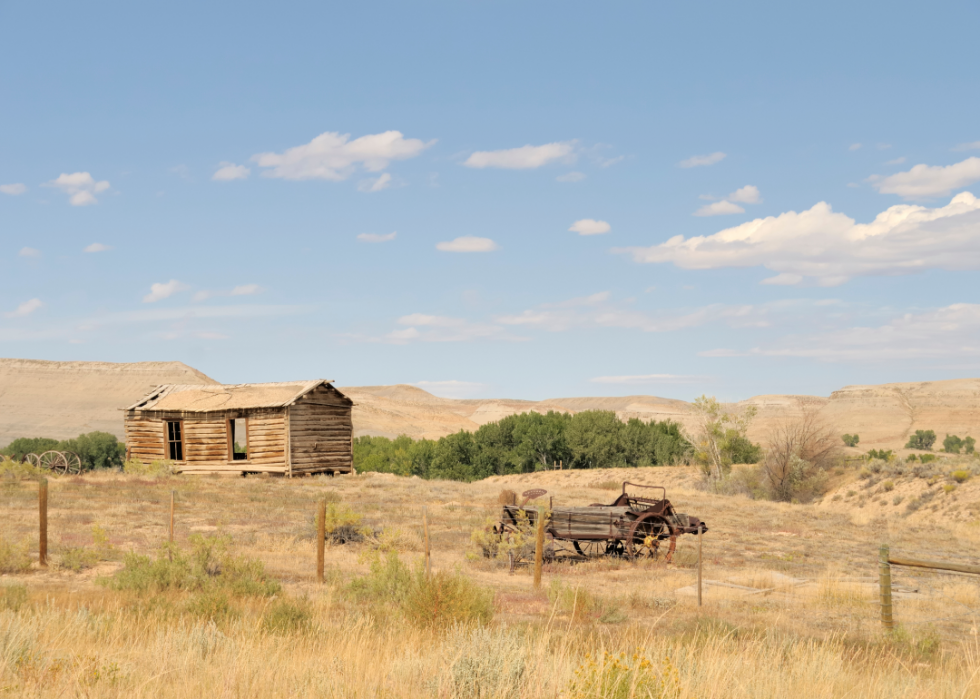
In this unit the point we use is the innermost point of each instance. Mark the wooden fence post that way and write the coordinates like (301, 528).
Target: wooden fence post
(321, 538)
(539, 549)
(171, 537)
(885, 588)
(42, 506)
(700, 527)
(425, 532)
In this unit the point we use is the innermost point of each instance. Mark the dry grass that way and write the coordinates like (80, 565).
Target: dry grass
(798, 609)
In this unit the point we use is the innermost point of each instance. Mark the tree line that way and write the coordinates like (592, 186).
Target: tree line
(528, 442)
(95, 449)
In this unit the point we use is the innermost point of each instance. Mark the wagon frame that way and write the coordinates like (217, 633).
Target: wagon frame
(633, 526)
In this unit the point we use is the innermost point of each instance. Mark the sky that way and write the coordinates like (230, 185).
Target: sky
(496, 199)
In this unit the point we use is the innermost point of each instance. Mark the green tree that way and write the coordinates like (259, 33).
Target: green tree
(922, 439)
(850, 440)
(96, 450)
(19, 448)
(595, 439)
(952, 444)
(718, 439)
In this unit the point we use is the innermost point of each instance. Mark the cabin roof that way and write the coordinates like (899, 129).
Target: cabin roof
(190, 398)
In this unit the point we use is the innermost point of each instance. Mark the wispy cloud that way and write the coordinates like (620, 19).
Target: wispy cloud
(831, 247)
(163, 290)
(374, 184)
(97, 247)
(644, 379)
(333, 156)
(80, 187)
(240, 290)
(573, 176)
(422, 327)
(523, 158)
(702, 160)
(854, 146)
(29, 252)
(13, 190)
(24, 309)
(925, 182)
(376, 237)
(719, 208)
(229, 171)
(467, 243)
(897, 161)
(589, 226)
(975, 145)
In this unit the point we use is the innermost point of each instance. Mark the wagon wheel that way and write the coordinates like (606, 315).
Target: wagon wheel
(588, 549)
(33, 459)
(74, 462)
(651, 537)
(53, 461)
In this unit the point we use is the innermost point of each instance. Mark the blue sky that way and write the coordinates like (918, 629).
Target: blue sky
(525, 200)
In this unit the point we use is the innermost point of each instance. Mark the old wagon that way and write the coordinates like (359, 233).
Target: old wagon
(633, 526)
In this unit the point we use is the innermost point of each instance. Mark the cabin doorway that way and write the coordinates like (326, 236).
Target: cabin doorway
(238, 439)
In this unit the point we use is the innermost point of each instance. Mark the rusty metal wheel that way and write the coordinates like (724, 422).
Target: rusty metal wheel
(74, 462)
(651, 538)
(589, 549)
(54, 461)
(33, 460)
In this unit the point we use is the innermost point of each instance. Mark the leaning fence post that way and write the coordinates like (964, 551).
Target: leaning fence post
(885, 585)
(700, 527)
(539, 549)
(321, 537)
(42, 507)
(425, 532)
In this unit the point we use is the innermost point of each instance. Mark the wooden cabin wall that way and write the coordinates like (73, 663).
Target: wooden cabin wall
(320, 431)
(206, 440)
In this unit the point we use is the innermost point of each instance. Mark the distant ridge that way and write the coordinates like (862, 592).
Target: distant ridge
(64, 399)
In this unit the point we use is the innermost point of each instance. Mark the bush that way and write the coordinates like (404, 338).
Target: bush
(135, 467)
(888, 486)
(927, 458)
(19, 448)
(621, 677)
(20, 471)
(210, 566)
(850, 440)
(921, 440)
(285, 616)
(881, 454)
(799, 454)
(14, 558)
(961, 476)
(488, 662)
(953, 444)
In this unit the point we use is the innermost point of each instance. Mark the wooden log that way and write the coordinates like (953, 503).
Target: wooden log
(932, 565)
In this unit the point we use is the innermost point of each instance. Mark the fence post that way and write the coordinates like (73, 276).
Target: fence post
(539, 549)
(42, 507)
(425, 531)
(700, 527)
(885, 586)
(171, 538)
(321, 538)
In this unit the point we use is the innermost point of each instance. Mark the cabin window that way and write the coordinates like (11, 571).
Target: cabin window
(238, 439)
(175, 441)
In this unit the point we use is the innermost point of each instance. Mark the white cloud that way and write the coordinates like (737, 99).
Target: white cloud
(647, 379)
(376, 237)
(571, 177)
(450, 389)
(333, 156)
(589, 226)
(374, 184)
(924, 182)
(160, 291)
(245, 290)
(97, 247)
(854, 146)
(701, 160)
(13, 190)
(897, 161)
(29, 252)
(883, 146)
(967, 146)
(467, 243)
(831, 248)
(749, 194)
(943, 333)
(80, 187)
(25, 309)
(523, 158)
(445, 329)
(229, 171)
(784, 279)
(719, 208)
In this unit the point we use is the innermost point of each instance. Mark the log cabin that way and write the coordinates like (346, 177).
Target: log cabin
(289, 428)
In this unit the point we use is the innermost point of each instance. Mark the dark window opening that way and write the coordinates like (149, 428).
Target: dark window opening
(175, 441)
(238, 430)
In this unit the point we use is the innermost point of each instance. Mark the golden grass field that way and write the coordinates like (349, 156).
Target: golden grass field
(797, 613)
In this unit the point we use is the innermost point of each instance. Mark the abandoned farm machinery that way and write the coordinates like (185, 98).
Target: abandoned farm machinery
(634, 526)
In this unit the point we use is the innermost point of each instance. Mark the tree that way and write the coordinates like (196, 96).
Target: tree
(96, 450)
(922, 439)
(850, 440)
(718, 438)
(594, 437)
(969, 445)
(798, 454)
(19, 448)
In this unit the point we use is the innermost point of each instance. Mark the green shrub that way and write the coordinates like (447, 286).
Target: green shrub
(882, 454)
(927, 458)
(19, 448)
(135, 467)
(14, 558)
(15, 470)
(850, 440)
(286, 616)
(210, 565)
(888, 486)
(910, 458)
(949, 487)
(921, 440)
(210, 604)
(961, 476)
